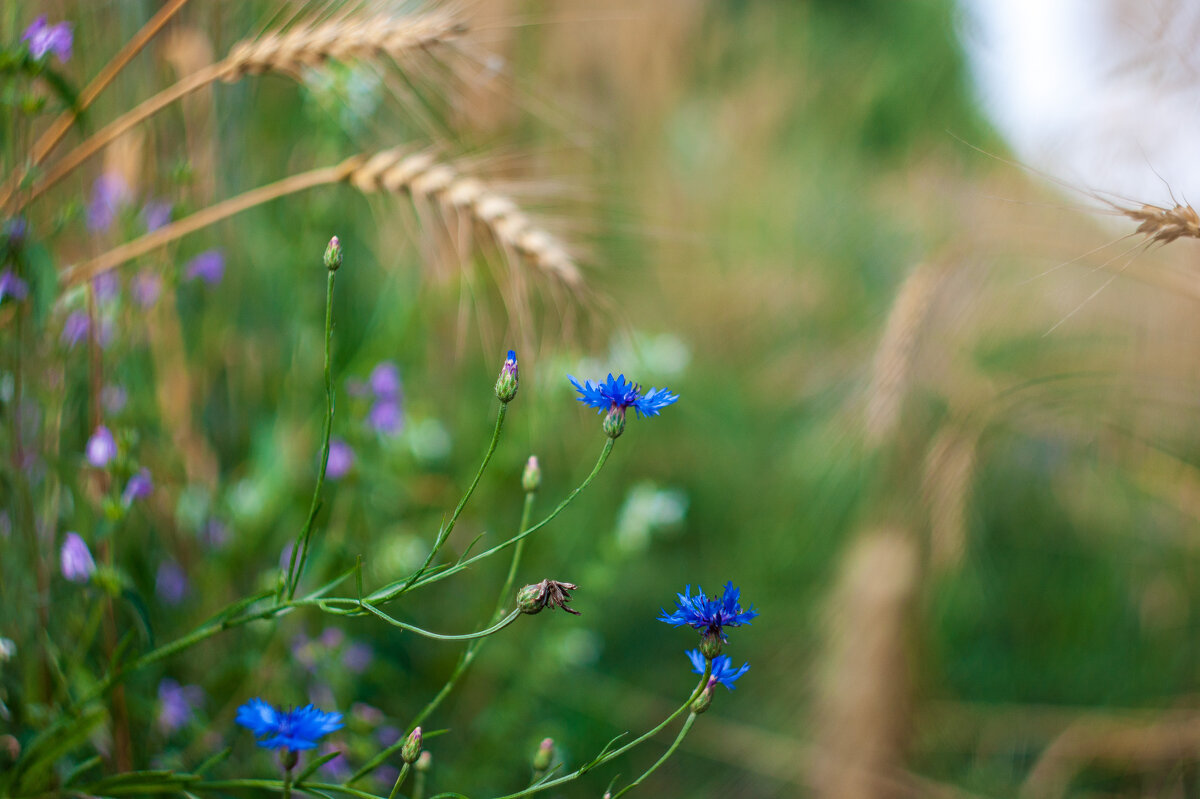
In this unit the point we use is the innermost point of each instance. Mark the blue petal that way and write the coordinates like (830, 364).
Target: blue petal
(258, 717)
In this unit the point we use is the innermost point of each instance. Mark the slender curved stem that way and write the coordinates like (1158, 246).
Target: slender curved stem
(599, 761)
(445, 531)
(495, 628)
(464, 662)
(296, 572)
(390, 592)
(683, 731)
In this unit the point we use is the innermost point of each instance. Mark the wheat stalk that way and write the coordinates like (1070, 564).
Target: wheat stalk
(893, 364)
(946, 486)
(417, 174)
(306, 44)
(1164, 225)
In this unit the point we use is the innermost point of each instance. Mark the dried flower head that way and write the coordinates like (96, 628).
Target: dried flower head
(548, 593)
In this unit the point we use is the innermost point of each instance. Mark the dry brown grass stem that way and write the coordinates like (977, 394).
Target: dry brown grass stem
(418, 175)
(946, 486)
(303, 45)
(863, 705)
(894, 358)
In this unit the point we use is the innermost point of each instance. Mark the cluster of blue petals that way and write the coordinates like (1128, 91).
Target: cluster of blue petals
(722, 668)
(709, 615)
(617, 393)
(294, 729)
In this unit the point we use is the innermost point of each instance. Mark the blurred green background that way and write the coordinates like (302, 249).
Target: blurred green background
(972, 545)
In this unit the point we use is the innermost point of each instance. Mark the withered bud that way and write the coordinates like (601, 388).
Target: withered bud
(548, 593)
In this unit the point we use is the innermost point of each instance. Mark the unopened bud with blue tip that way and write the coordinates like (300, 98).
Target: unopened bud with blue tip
(507, 383)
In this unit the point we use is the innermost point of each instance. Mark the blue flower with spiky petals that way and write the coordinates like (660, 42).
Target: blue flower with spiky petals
(294, 729)
(722, 668)
(709, 616)
(616, 393)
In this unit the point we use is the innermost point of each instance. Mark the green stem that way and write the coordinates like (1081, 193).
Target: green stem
(599, 761)
(445, 531)
(687, 725)
(296, 571)
(399, 781)
(464, 662)
(272, 785)
(391, 592)
(495, 628)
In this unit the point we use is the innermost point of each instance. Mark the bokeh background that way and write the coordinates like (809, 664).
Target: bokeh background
(937, 421)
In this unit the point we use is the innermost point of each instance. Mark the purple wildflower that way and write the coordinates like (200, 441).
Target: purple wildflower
(101, 447)
(336, 767)
(75, 559)
(385, 380)
(176, 704)
(357, 657)
(341, 459)
(147, 287)
(214, 534)
(171, 583)
(113, 398)
(15, 230)
(75, 327)
(110, 194)
(332, 637)
(156, 214)
(367, 714)
(386, 417)
(43, 38)
(12, 286)
(208, 266)
(107, 286)
(388, 735)
(140, 486)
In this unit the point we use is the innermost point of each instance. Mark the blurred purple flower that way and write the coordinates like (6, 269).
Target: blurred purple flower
(139, 486)
(156, 214)
(45, 38)
(110, 194)
(208, 266)
(101, 447)
(388, 735)
(337, 768)
(385, 380)
(214, 534)
(303, 651)
(386, 417)
(341, 459)
(367, 714)
(357, 657)
(171, 583)
(75, 559)
(15, 230)
(107, 286)
(332, 637)
(75, 327)
(387, 775)
(113, 398)
(147, 287)
(12, 286)
(176, 704)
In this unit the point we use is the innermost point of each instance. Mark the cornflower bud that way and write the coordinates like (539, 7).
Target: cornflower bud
(424, 762)
(710, 644)
(614, 422)
(507, 382)
(412, 747)
(706, 696)
(544, 755)
(531, 479)
(333, 254)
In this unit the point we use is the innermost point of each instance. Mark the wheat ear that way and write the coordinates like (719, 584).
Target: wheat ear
(344, 38)
(418, 175)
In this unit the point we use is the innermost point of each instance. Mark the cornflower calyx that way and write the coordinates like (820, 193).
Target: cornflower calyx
(509, 380)
(294, 730)
(705, 699)
(412, 747)
(613, 396)
(333, 254)
(709, 616)
(548, 593)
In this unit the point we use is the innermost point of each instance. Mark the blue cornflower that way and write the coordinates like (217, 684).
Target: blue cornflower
(613, 393)
(709, 616)
(296, 729)
(722, 668)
